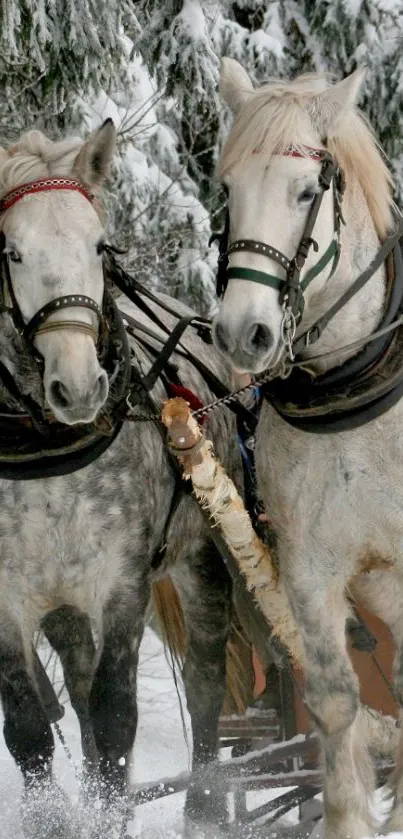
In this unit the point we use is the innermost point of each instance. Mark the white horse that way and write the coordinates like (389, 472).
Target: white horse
(80, 547)
(335, 499)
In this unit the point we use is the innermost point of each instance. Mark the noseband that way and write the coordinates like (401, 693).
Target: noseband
(291, 288)
(39, 323)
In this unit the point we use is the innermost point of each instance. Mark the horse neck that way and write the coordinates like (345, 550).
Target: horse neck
(359, 317)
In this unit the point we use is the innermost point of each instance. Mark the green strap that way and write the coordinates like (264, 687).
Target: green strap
(332, 252)
(255, 277)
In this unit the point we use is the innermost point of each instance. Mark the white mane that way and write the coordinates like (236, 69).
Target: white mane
(35, 156)
(282, 113)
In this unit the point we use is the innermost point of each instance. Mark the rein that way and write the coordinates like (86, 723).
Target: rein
(313, 334)
(136, 293)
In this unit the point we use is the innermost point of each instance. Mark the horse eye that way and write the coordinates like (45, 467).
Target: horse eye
(13, 255)
(100, 248)
(306, 196)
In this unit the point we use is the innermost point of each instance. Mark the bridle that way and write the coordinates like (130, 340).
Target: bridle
(290, 287)
(39, 324)
(33, 443)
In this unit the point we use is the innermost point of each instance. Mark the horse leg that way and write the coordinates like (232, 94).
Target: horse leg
(27, 732)
(44, 810)
(69, 632)
(112, 703)
(205, 593)
(382, 592)
(332, 695)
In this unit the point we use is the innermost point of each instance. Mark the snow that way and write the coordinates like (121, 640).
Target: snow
(160, 752)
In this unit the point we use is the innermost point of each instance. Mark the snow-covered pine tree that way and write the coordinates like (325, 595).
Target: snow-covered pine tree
(182, 40)
(152, 66)
(181, 43)
(53, 54)
(336, 36)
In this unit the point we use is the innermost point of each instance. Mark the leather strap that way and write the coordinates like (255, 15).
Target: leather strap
(332, 252)
(271, 280)
(168, 348)
(255, 277)
(313, 334)
(291, 288)
(69, 301)
(252, 246)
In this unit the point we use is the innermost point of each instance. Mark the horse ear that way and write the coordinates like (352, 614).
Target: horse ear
(235, 84)
(94, 159)
(328, 108)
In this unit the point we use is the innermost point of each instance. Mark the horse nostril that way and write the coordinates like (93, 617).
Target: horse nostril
(59, 394)
(260, 337)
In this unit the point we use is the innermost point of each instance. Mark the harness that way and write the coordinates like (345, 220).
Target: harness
(33, 444)
(365, 386)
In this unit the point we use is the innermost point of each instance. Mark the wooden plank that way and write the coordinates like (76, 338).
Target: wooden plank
(282, 805)
(306, 778)
(262, 761)
(253, 720)
(249, 731)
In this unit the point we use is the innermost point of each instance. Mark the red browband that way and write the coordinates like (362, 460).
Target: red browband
(304, 151)
(299, 151)
(43, 185)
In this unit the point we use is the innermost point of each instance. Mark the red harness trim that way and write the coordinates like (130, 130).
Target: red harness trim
(299, 151)
(308, 151)
(43, 185)
(193, 401)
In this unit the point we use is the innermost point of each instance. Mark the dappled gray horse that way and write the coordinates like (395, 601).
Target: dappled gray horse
(81, 549)
(300, 307)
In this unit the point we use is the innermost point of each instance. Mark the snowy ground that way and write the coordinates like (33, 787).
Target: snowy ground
(160, 752)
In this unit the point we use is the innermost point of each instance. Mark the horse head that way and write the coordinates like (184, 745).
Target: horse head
(288, 253)
(51, 233)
